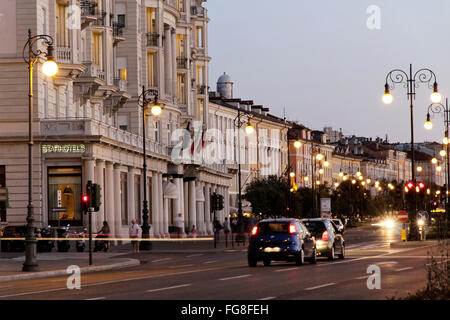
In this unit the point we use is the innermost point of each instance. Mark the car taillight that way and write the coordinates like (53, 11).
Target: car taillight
(325, 236)
(254, 230)
(292, 228)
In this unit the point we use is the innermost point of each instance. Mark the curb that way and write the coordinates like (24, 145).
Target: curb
(402, 244)
(63, 272)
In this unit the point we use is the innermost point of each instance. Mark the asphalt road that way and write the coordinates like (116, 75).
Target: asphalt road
(226, 276)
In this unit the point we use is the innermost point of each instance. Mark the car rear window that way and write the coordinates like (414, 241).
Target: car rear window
(337, 222)
(273, 227)
(315, 227)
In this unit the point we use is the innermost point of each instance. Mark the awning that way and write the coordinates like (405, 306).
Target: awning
(247, 209)
(170, 190)
(199, 196)
(233, 210)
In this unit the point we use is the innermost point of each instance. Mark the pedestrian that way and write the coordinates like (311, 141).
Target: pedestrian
(179, 224)
(226, 229)
(193, 232)
(104, 233)
(134, 233)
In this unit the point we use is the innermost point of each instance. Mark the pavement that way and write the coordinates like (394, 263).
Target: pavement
(56, 263)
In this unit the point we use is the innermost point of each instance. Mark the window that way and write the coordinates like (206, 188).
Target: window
(64, 192)
(200, 75)
(156, 130)
(181, 5)
(62, 32)
(151, 69)
(199, 37)
(151, 20)
(181, 88)
(169, 134)
(97, 54)
(181, 46)
(123, 122)
(199, 109)
(3, 203)
(121, 20)
(124, 197)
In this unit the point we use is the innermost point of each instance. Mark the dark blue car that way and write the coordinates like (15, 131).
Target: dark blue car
(281, 240)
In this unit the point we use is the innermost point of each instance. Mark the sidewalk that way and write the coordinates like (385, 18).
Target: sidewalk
(56, 263)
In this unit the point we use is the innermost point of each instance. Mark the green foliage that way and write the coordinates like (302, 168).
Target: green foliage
(269, 196)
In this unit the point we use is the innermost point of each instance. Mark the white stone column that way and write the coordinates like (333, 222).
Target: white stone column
(168, 60)
(161, 205)
(179, 202)
(117, 203)
(165, 232)
(186, 204)
(208, 223)
(130, 197)
(174, 62)
(154, 204)
(200, 214)
(192, 208)
(99, 179)
(109, 197)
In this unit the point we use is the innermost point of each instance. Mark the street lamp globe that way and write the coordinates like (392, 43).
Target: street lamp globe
(319, 157)
(419, 169)
(387, 97)
(326, 163)
(434, 160)
(445, 140)
(156, 110)
(439, 168)
(50, 68)
(292, 174)
(442, 153)
(249, 128)
(435, 96)
(297, 144)
(428, 125)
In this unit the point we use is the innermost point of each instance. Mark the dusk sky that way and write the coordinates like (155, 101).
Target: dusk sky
(320, 61)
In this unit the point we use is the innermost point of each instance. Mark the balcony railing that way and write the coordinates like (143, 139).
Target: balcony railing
(88, 8)
(64, 54)
(121, 84)
(182, 63)
(101, 18)
(117, 29)
(152, 39)
(90, 127)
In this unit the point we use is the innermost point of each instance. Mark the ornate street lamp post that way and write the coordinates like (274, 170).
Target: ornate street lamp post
(146, 97)
(49, 68)
(411, 81)
(440, 108)
(249, 129)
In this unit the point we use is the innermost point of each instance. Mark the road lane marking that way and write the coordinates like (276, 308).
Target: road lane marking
(288, 269)
(267, 298)
(207, 262)
(321, 286)
(169, 288)
(195, 255)
(182, 266)
(363, 277)
(386, 262)
(236, 277)
(159, 260)
(403, 269)
(99, 298)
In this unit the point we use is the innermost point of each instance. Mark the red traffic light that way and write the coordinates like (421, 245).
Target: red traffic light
(85, 199)
(421, 185)
(410, 185)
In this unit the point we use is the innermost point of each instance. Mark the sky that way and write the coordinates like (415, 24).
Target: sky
(319, 63)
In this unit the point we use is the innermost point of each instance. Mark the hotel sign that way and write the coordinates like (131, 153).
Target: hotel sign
(63, 148)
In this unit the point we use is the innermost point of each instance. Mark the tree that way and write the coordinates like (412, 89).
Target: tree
(269, 196)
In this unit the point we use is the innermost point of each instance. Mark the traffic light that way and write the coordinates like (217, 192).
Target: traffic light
(398, 191)
(435, 205)
(214, 202)
(220, 202)
(421, 185)
(410, 185)
(96, 196)
(85, 203)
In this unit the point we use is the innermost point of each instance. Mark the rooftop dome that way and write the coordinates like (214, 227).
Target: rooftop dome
(225, 78)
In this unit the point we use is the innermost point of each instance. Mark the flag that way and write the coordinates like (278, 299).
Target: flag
(186, 137)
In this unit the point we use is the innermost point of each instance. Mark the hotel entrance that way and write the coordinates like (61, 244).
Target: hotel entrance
(64, 196)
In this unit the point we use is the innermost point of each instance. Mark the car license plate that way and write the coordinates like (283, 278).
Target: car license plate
(269, 249)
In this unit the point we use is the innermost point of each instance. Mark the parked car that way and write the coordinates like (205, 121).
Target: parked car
(339, 224)
(281, 240)
(10, 245)
(329, 240)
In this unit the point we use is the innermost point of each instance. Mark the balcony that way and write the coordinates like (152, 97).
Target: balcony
(89, 127)
(152, 39)
(101, 19)
(88, 13)
(182, 63)
(199, 12)
(117, 32)
(120, 84)
(63, 54)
